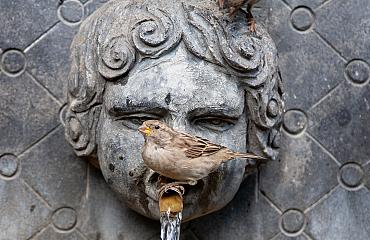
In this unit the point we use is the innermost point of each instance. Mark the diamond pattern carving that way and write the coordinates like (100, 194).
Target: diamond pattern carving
(342, 209)
(303, 176)
(323, 175)
(22, 213)
(27, 113)
(64, 182)
(340, 123)
(24, 21)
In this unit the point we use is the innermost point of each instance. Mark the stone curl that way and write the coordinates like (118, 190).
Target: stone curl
(117, 58)
(155, 33)
(112, 40)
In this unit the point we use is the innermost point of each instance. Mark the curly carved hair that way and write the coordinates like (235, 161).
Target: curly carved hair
(123, 32)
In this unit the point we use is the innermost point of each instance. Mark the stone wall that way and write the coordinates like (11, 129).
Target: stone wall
(318, 190)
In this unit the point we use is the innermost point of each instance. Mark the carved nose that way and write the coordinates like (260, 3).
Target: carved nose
(179, 123)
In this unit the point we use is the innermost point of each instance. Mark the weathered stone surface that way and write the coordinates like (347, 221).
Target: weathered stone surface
(341, 122)
(283, 237)
(13, 62)
(50, 233)
(299, 53)
(320, 46)
(64, 219)
(64, 182)
(367, 175)
(24, 21)
(137, 61)
(347, 212)
(27, 112)
(49, 60)
(23, 213)
(346, 26)
(309, 3)
(304, 174)
(103, 217)
(295, 121)
(292, 222)
(71, 12)
(256, 213)
(92, 5)
(8, 165)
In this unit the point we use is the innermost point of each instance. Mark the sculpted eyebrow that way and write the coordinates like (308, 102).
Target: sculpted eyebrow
(154, 108)
(216, 111)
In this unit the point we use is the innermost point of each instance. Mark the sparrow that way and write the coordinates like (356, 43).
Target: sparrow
(183, 157)
(235, 5)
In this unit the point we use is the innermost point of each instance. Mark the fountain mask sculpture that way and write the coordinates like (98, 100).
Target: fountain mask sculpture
(182, 62)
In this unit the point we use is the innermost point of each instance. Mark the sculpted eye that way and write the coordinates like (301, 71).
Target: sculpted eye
(215, 123)
(156, 127)
(134, 121)
(137, 120)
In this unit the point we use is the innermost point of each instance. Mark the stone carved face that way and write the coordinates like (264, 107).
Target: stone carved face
(186, 64)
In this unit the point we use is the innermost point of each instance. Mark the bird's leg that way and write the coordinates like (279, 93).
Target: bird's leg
(251, 20)
(234, 10)
(170, 185)
(221, 3)
(192, 182)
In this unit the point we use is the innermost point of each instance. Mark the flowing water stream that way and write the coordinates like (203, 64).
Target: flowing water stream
(170, 225)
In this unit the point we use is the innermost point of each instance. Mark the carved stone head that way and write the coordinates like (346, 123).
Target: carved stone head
(186, 63)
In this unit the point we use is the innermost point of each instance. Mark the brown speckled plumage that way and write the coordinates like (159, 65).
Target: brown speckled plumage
(235, 5)
(181, 156)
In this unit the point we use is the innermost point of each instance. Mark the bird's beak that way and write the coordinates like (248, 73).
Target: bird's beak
(145, 130)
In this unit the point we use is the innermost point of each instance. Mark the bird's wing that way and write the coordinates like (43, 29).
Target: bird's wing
(196, 146)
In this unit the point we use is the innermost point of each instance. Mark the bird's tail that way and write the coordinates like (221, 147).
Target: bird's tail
(252, 158)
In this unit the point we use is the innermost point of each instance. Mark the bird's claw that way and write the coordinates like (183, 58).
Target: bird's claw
(221, 3)
(192, 182)
(175, 186)
(252, 25)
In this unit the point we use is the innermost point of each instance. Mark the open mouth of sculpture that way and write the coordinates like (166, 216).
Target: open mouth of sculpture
(154, 181)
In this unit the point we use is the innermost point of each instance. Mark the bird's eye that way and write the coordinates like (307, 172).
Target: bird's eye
(156, 127)
(215, 123)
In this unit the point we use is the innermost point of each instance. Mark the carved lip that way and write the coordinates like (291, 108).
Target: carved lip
(151, 188)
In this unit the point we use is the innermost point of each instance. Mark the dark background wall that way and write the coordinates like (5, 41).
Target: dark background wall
(318, 190)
